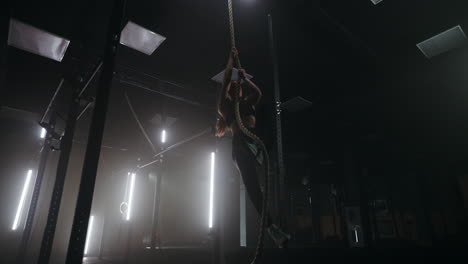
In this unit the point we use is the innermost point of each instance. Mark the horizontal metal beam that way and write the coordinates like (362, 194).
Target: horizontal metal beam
(207, 130)
(175, 97)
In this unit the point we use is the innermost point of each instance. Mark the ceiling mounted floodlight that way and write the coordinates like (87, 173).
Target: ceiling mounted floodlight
(443, 42)
(220, 76)
(37, 41)
(296, 104)
(376, 1)
(140, 38)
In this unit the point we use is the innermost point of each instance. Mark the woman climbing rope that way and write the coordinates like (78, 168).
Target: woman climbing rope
(246, 153)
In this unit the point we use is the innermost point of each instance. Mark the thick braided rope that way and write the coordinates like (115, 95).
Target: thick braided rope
(251, 135)
(264, 213)
(231, 24)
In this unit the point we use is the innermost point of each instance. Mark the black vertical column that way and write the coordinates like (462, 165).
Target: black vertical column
(155, 234)
(155, 212)
(4, 24)
(279, 202)
(36, 191)
(91, 160)
(65, 150)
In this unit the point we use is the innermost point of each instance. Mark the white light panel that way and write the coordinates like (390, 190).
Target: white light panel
(140, 38)
(37, 41)
(443, 42)
(220, 76)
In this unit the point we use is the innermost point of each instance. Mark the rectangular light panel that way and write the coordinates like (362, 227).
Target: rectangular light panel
(220, 76)
(443, 42)
(140, 38)
(296, 104)
(37, 41)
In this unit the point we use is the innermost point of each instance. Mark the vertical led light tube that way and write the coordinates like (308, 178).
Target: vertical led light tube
(88, 235)
(163, 136)
(19, 210)
(130, 196)
(210, 224)
(43, 132)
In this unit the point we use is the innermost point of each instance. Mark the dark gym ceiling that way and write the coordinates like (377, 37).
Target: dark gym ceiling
(357, 62)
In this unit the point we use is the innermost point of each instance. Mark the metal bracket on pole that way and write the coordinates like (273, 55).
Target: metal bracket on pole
(278, 107)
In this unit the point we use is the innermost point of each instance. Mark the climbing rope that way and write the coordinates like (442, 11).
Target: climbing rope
(254, 137)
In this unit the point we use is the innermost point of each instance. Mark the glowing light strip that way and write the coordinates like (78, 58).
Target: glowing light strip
(21, 203)
(125, 199)
(88, 235)
(130, 196)
(211, 188)
(163, 136)
(43, 133)
(356, 235)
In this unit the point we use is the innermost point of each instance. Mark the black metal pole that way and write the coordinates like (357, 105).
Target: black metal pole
(155, 218)
(101, 242)
(157, 189)
(127, 245)
(65, 150)
(91, 160)
(36, 191)
(279, 187)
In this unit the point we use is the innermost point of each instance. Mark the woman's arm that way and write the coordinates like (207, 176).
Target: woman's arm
(228, 71)
(226, 80)
(256, 94)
